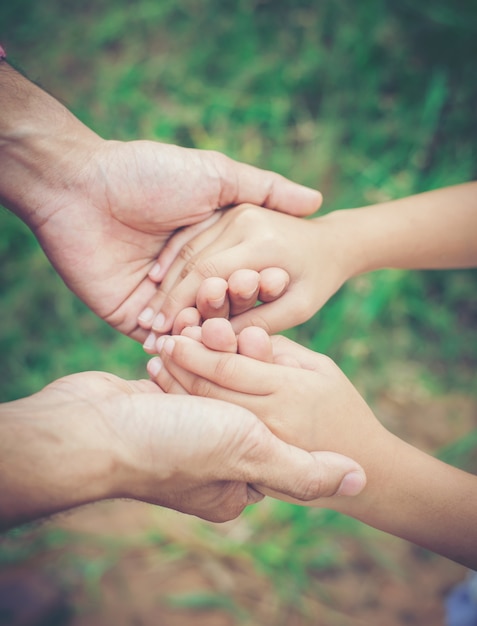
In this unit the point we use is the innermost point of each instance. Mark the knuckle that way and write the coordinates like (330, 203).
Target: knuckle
(186, 252)
(218, 158)
(201, 387)
(205, 268)
(311, 488)
(303, 308)
(257, 320)
(247, 215)
(225, 369)
(165, 383)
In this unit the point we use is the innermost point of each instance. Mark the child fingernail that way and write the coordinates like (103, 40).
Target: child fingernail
(146, 315)
(216, 304)
(154, 366)
(169, 344)
(159, 321)
(155, 272)
(150, 342)
(160, 343)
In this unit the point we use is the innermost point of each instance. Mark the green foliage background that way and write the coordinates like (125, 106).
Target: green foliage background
(363, 100)
(366, 101)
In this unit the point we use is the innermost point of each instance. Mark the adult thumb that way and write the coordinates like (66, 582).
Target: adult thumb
(244, 183)
(300, 476)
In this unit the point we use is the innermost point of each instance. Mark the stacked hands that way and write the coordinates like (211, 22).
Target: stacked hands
(134, 231)
(103, 211)
(301, 396)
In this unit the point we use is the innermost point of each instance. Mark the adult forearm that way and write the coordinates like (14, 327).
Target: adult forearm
(37, 134)
(51, 460)
(433, 230)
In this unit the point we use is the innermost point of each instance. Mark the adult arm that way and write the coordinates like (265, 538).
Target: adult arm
(93, 436)
(103, 210)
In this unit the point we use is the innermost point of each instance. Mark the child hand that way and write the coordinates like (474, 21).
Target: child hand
(301, 396)
(217, 297)
(247, 237)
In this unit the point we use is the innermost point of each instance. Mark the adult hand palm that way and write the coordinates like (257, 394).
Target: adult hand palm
(195, 455)
(106, 228)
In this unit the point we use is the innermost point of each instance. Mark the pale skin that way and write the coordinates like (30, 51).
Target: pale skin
(303, 397)
(306, 400)
(103, 210)
(433, 230)
(93, 436)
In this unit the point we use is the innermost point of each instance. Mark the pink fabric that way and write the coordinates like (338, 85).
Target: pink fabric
(3, 54)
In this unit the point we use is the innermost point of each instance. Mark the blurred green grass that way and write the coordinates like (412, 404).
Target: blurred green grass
(366, 101)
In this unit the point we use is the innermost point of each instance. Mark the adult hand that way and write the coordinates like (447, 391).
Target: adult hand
(103, 210)
(305, 399)
(302, 396)
(429, 230)
(93, 436)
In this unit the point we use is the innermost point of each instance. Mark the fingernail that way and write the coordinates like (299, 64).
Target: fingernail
(160, 343)
(169, 344)
(216, 304)
(158, 323)
(352, 484)
(247, 296)
(155, 271)
(276, 290)
(146, 315)
(150, 342)
(154, 366)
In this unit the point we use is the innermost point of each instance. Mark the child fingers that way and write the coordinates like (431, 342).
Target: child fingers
(212, 298)
(274, 282)
(166, 382)
(184, 294)
(217, 334)
(229, 371)
(189, 316)
(243, 290)
(176, 243)
(271, 316)
(255, 343)
(172, 378)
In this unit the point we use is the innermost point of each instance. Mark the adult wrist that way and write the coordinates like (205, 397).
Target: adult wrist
(54, 458)
(41, 148)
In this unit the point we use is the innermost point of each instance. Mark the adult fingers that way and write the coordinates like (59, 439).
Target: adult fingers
(176, 243)
(304, 476)
(205, 242)
(245, 183)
